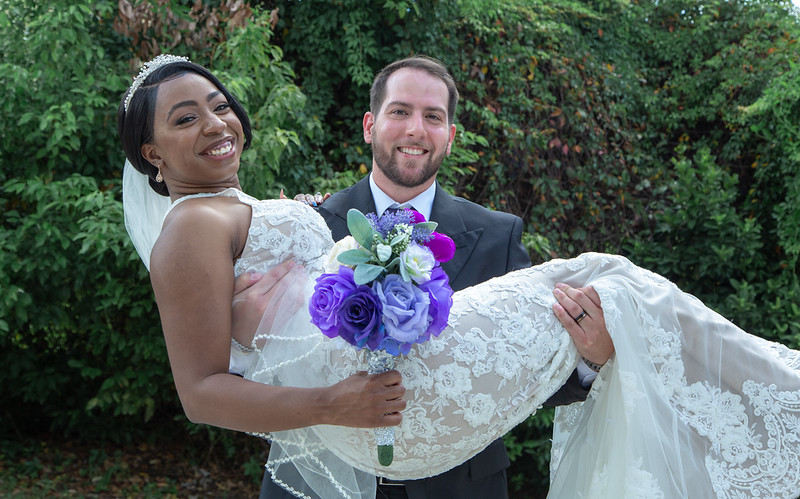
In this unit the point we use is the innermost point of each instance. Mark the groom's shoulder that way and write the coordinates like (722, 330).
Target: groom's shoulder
(481, 215)
(340, 201)
(335, 208)
(341, 197)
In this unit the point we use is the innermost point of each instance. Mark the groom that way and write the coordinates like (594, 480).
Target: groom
(410, 126)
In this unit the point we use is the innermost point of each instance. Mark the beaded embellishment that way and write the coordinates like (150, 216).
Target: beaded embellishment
(147, 68)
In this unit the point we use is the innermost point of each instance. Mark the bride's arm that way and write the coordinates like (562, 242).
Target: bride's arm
(192, 276)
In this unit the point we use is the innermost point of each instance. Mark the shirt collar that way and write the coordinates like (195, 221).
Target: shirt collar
(423, 203)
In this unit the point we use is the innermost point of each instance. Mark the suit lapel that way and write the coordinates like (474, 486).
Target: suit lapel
(358, 196)
(445, 212)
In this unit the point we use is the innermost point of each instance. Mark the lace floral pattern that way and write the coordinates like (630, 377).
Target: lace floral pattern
(478, 379)
(283, 230)
(482, 376)
(690, 406)
(690, 387)
(754, 440)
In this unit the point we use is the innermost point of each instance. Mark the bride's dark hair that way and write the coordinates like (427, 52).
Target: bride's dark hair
(135, 126)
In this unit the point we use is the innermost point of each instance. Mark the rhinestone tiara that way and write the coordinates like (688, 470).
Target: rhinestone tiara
(147, 68)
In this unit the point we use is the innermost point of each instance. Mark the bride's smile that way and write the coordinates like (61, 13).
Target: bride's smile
(222, 149)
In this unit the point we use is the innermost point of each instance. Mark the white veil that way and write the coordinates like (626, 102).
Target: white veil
(144, 210)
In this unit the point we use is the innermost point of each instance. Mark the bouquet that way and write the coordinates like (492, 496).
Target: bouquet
(385, 290)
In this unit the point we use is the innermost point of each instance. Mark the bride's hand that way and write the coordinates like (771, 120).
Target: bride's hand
(580, 312)
(367, 400)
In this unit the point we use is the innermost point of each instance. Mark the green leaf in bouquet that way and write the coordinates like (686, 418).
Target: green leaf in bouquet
(431, 226)
(404, 273)
(399, 238)
(360, 228)
(353, 257)
(391, 265)
(366, 273)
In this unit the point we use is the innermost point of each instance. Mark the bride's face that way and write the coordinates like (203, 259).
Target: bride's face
(197, 137)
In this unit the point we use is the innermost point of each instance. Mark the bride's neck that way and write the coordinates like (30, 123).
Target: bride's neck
(179, 190)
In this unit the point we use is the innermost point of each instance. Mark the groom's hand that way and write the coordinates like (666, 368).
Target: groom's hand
(252, 292)
(367, 400)
(588, 331)
(312, 199)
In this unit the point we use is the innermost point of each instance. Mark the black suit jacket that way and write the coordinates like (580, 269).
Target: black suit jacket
(488, 244)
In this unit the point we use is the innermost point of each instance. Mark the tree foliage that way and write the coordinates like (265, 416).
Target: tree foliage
(664, 130)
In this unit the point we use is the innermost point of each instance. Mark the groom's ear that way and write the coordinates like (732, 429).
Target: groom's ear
(367, 124)
(452, 138)
(149, 153)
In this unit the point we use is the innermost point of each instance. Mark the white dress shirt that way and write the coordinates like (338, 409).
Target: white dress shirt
(423, 203)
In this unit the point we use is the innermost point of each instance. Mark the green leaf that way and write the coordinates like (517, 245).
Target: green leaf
(366, 273)
(431, 226)
(404, 273)
(353, 257)
(398, 239)
(360, 228)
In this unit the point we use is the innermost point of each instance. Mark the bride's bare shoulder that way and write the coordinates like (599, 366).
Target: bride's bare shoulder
(203, 228)
(204, 210)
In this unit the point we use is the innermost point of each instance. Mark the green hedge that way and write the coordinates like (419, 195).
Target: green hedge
(663, 130)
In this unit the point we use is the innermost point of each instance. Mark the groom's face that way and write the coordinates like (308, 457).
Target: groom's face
(410, 135)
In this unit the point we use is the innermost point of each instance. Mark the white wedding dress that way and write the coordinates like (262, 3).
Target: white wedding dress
(689, 406)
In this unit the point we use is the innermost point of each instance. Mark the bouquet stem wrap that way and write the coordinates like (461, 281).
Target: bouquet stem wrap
(379, 361)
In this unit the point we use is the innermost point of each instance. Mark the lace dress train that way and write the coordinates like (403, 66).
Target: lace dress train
(689, 406)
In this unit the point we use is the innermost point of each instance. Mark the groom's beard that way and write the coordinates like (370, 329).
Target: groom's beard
(404, 177)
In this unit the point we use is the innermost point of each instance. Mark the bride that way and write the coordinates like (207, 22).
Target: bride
(690, 405)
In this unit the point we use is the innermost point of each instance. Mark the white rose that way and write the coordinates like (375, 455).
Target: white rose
(331, 262)
(417, 262)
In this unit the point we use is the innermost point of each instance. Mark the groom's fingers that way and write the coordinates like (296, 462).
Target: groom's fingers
(265, 283)
(591, 294)
(258, 283)
(571, 306)
(252, 294)
(588, 331)
(315, 199)
(246, 280)
(577, 300)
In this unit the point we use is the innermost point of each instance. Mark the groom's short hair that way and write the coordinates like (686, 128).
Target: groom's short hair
(434, 67)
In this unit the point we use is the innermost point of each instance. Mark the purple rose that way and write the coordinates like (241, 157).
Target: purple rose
(405, 310)
(442, 247)
(359, 318)
(329, 293)
(339, 307)
(441, 299)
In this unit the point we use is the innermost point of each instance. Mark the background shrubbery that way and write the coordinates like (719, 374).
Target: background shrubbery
(663, 130)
